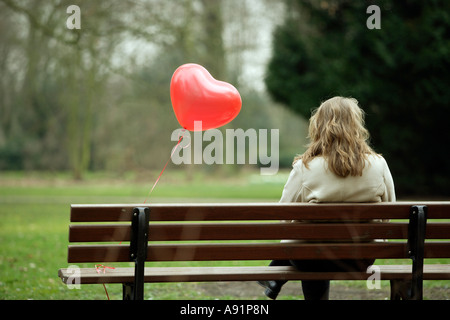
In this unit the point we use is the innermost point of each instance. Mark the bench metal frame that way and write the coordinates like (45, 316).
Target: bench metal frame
(138, 253)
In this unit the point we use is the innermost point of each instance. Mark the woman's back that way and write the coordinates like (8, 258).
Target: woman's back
(318, 183)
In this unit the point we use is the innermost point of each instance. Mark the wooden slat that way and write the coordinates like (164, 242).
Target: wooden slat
(98, 253)
(99, 233)
(253, 251)
(437, 231)
(212, 252)
(254, 273)
(255, 231)
(242, 231)
(286, 251)
(277, 251)
(101, 213)
(258, 211)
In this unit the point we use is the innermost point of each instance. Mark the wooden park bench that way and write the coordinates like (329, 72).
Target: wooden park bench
(191, 232)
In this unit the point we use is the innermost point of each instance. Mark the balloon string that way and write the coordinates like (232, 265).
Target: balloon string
(99, 266)
(160, 174)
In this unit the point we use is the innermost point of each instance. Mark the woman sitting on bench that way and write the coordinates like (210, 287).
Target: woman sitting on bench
(338, 166)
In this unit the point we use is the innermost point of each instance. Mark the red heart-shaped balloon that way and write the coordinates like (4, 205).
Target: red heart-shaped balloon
(197, 96)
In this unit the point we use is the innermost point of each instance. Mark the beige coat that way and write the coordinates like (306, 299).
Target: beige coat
(318, 184)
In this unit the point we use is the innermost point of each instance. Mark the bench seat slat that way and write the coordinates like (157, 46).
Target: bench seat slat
(253, 251)
(255, 211)
(254, 273)
(255, 231)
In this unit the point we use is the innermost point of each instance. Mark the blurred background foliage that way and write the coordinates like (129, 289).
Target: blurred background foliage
(98, 98)
(399, 74)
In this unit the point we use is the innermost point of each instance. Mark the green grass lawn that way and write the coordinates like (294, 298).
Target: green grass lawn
(34, 218)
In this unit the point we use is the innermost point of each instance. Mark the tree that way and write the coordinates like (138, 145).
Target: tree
(399, 74)
(98, 98)
(54, 77)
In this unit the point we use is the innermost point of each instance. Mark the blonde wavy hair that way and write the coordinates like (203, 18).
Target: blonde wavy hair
(337, 133)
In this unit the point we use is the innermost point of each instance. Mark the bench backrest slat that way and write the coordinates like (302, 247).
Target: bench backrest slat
(255, 231)
(256, 211)
(266, 251)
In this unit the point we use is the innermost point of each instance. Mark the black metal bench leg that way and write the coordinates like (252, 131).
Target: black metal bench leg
(416, 248)
(400, 289)
(128, 291)
(138, 249)
(413, 289)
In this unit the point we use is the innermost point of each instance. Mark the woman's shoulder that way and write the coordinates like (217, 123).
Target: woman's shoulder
(377, 162)
(316, 163)
(376, 158)
(297, 165)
